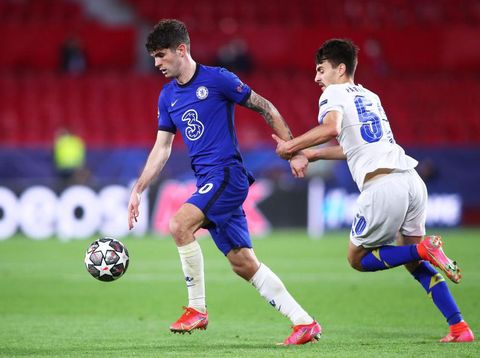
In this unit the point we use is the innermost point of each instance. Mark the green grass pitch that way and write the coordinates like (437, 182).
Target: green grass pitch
(50, 306)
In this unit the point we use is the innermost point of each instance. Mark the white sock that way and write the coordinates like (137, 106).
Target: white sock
(192, 265)
(274, 291)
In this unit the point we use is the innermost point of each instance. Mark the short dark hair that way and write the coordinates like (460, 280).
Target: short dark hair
(167, 34)
(339, 51)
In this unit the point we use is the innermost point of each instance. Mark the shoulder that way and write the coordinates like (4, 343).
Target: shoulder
(332, 94)
(335, 90)
(219, 73)
(370, 93)
(166, 91)
(168, 87)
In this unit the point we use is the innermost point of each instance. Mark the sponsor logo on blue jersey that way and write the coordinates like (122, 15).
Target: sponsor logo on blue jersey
(194, 128)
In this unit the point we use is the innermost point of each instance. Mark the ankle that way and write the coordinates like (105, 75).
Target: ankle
(422, 251)
(459, 327)
(201, 309)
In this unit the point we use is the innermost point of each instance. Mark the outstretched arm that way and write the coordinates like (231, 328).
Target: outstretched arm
(320, 134)
(275, 120)
(156, 161)
(326, 153)
(271, 115)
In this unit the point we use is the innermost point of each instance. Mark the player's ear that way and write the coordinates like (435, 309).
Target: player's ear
(182, 49)
(341, 69)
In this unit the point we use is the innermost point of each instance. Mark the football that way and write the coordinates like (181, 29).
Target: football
(107, 259)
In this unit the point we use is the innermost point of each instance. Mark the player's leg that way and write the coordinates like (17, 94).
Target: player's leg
(183, 226)
(387, 256)
(213, 203)
(246, 265)
(412, 231)
(387, 204)
(271, 288)
(221, 199)
(437, 289)
(413, 226)
(381, 209)
(243, 262)
(382, 257)
(233, 239)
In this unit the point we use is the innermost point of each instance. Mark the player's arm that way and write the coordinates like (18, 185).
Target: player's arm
(275, 120)
(326, 153)
(271, 115)
(329, 129)
(156, 161)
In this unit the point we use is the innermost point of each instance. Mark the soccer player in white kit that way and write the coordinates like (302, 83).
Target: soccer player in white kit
(392, 203)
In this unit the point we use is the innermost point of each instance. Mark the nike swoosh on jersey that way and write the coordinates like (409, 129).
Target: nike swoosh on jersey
(173, 103)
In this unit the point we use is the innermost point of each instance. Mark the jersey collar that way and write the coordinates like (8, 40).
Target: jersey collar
(197, 69)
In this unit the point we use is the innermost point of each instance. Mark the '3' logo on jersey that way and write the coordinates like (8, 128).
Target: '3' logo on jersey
(194, 128)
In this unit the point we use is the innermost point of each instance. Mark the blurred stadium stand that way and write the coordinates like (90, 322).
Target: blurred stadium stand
(422, 57)
(423, 65)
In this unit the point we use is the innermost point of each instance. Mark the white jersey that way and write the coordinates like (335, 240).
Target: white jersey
(365, 137)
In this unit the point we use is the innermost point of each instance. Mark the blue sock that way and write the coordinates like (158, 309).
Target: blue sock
(387, 257)
(437, 289)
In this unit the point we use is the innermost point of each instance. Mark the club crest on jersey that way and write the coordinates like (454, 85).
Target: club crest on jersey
(194, 128)
(202, 92)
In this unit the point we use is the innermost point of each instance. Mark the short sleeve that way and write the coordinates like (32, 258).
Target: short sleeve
(331, 100)
(232, 87)
(165, 122)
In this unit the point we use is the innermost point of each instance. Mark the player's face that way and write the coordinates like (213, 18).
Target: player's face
(326, 75)
(168, 62)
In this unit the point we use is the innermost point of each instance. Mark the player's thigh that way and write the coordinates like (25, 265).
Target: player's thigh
(403, 240)
(414, 223)
(233, 233)
(221, 194)
(381, 210)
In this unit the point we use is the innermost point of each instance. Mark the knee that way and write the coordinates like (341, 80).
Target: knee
(177, 228)
(412, 266)
(355, 262)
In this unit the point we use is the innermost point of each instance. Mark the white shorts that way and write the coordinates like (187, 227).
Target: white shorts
(393, 203)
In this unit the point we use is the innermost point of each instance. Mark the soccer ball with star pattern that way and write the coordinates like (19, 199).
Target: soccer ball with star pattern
(107, 259)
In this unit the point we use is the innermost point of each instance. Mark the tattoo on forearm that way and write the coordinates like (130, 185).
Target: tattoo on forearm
(265, 108)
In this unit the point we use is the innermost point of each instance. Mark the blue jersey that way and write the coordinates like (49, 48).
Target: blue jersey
(202, 110)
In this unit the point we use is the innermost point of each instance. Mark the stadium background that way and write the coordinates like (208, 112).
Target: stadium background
(421, 57)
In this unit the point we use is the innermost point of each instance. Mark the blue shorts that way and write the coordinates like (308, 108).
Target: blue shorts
(220, 195)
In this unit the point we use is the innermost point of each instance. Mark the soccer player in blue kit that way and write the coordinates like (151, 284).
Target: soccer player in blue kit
(199, 103)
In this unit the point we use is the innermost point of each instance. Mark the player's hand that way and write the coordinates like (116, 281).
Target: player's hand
(282, 147)
(299, 165)
(133, 211)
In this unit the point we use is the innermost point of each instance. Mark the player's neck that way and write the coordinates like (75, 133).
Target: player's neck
(346, 80)
(189, 69)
